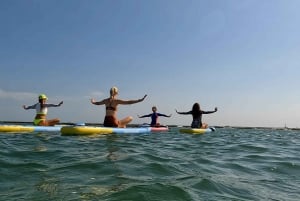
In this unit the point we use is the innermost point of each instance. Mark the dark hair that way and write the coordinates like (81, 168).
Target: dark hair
(196, 111)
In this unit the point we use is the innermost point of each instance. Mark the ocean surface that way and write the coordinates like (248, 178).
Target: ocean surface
(229, 164)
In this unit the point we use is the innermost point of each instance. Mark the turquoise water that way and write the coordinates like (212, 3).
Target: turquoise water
(229, 164)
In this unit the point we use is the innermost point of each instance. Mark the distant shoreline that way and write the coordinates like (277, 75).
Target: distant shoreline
(136, 125)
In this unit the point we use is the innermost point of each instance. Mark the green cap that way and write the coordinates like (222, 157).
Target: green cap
(42, 96)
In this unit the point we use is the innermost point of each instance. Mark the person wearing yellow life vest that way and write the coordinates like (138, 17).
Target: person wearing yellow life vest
(41, 111)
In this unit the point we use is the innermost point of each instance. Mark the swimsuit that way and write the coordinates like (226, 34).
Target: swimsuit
(36, 122)
(110, 121)
(197, 120)
(111, 108)
(39, 111)
(196, 123)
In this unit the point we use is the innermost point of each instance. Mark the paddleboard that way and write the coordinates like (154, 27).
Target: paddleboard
(196, 130)
(28, 129)
(159, 129)
(155, 128)
(90, 130)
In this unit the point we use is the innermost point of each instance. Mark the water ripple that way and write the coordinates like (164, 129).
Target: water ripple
(229, 164)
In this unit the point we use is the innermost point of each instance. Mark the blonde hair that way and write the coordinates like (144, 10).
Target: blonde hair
(113, 91)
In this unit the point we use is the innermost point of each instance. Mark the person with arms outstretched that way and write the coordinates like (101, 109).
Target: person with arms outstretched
(41, 111)
(111, 104)
(196, 112)
(154, 117)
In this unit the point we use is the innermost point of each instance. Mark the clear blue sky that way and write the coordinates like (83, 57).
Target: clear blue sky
(239, 55)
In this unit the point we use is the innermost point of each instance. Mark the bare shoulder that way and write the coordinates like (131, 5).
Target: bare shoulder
(106, 100)
(120, 101)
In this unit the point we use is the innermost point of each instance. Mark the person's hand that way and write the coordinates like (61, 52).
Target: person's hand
(62, 102)
(24, 106)
(140, 100)
(216, 109)
(176, 111)
(92, 100)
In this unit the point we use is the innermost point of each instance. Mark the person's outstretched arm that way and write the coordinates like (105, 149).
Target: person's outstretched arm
(128, 102)
(97, 103)
(55, 105)
(29, 107)
(209, 112)
(183, 112)
(164, 115)
(147, 115)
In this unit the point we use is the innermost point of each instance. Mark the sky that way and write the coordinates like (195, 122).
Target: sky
(241, 56)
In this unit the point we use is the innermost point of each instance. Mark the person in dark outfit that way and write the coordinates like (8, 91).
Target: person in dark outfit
(196, 112)
(154, 117)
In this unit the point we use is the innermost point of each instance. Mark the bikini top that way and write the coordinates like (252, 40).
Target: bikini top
(111, 108)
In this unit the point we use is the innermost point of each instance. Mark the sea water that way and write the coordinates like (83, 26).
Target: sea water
(229, 164)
